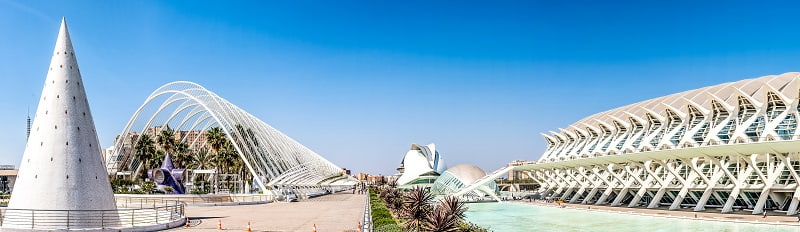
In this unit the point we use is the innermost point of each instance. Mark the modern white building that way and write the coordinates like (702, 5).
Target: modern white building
(727, 146)
(421, 165)
(457, 177)
(278, 163)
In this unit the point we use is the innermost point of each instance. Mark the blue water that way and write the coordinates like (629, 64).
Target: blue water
(515, 217)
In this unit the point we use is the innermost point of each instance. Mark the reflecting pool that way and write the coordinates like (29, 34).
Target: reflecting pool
(513, 217)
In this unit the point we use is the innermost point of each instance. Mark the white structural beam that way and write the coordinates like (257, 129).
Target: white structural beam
(273, 158)
(728, 146)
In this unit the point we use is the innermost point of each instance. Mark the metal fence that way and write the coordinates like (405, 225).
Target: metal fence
(251, 198)
(152, 212)
(367, 221)
(126, 200)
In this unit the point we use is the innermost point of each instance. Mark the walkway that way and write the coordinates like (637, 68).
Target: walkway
(336, 212)
(708, 215)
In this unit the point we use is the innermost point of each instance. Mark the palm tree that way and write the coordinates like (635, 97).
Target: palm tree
(166, 139)
(393, 198)
(446, 216)
(416, 207)
(158, 158)
(202, 159)
(145, 151)
(228, 160)
(453, 206)
(438, 221)
(180, 154)
(215, 137)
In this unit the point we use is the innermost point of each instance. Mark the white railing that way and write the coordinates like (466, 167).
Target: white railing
(152, 213)
(367, 221)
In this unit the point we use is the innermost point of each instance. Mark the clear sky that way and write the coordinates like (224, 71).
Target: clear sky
(359, 81)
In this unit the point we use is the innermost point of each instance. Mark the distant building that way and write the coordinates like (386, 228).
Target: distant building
(420, 166)
(518, 175)
(375, 180)
(195, 139)
(362, 177)
(110, 161)
(8, 175)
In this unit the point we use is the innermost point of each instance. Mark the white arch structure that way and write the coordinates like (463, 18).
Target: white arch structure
(276, 160)
(733, 145)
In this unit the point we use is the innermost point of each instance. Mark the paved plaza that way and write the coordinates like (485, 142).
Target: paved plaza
(335, 212)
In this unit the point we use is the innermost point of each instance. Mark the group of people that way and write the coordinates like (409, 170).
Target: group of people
(361, 188)
(559, 203)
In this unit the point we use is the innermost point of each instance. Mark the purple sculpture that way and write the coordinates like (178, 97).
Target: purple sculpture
(168, 175)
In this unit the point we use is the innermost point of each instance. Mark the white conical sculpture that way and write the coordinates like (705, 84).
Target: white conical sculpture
(62, 167)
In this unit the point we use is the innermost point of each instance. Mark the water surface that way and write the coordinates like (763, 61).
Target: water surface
(515, 217)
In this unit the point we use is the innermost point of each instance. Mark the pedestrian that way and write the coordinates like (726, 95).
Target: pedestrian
(798, 218)
(765, 214)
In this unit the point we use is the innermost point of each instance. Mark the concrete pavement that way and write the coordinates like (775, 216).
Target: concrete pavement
(335, 212)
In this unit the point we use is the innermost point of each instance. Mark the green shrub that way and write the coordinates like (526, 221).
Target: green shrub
(198, 191)
(148, 186)
(381, 218)
(470, 227)
(121, 185)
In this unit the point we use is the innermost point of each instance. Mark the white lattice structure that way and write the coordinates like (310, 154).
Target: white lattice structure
(733, 145)
(457, 177)
(277, 161)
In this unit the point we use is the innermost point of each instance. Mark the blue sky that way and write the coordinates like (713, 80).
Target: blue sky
(359, 81)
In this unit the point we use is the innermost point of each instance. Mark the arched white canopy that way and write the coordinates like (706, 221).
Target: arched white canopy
(275, 159)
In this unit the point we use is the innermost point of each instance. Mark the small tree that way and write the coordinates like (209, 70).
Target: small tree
(446, 216)
(416, 206)
(148, 187)
(121, 185)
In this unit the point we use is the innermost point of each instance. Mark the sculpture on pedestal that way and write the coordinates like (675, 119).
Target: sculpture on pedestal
(168, 176)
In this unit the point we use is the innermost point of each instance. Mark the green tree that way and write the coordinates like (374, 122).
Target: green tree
(446, 216)
(145, 150)
(121, 185)
(416, 207)
(201, 159)
(148, 187)
(228, 161)
(166, 143)
(215, 138)
(166, 139)
(158, 158)
(181, 154)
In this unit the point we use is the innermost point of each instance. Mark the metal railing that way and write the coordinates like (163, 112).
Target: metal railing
(126, 200)
(367, 221)
(252, 198)
(151, 212)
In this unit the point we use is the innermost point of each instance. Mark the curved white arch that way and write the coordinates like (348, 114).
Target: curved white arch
(269, 155)
(688, 120)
